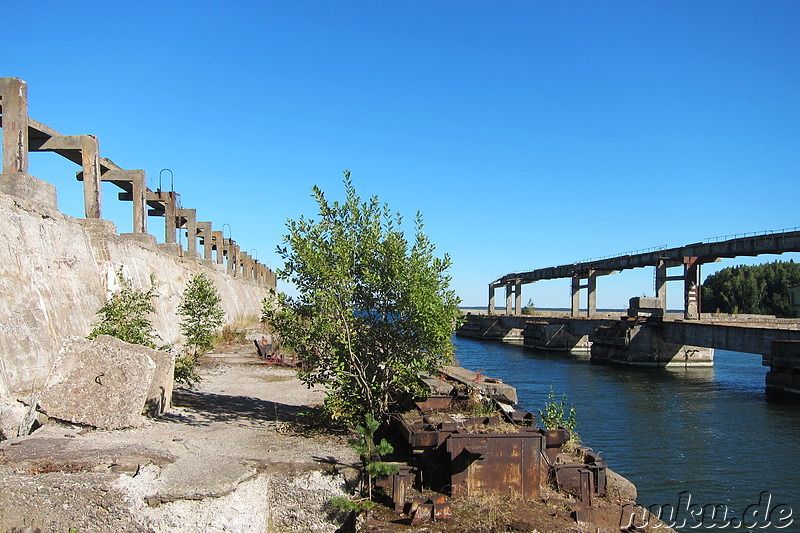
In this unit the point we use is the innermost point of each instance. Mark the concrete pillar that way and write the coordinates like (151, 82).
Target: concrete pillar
(138, 194)
(576, 296)
(190, 216)
(591, 298)
(518, 298)
(661, 284)
(204, 232)
(14, 101)
(491, 299)
(691, 288)
(170, 216)
(217, 241)
(509, 298)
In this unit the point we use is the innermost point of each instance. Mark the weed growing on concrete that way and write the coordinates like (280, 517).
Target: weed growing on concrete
(125, 314)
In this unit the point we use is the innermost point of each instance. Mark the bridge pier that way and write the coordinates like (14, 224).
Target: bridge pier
(783, 378)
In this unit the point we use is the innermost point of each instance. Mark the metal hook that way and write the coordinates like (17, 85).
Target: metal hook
(255, 256)
(229, 231)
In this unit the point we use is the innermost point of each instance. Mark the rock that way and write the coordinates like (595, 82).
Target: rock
(102, 383)
(619, 488)
(12, 417)
(159, 396)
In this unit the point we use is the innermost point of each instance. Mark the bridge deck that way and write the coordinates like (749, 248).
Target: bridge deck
(776, 242)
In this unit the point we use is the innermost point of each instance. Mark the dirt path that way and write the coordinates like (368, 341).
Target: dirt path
(227, 457)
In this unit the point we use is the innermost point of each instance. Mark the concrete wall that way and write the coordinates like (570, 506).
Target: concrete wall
(56, 272)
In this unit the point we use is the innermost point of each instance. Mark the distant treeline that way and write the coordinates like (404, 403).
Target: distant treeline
(759, 290)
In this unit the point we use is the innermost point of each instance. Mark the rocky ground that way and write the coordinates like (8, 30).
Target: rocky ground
(229, 456)
(237, 453)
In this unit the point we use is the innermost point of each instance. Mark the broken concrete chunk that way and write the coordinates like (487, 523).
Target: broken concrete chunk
(497, 391)
(103, 382)
(159, 396)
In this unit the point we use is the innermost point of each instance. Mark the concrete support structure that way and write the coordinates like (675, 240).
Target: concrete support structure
(88, 149)
(188, 220)
(205, 233)
(217, 242)
(14, 106)
(168, 209)
(137, 180)
(518, 298)
(491, 299)
(691, 288)
(509, 299)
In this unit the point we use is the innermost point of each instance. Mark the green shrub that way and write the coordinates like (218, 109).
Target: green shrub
(125, 314)
(202, 313)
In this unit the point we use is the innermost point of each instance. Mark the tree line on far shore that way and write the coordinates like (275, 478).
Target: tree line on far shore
(761, 289)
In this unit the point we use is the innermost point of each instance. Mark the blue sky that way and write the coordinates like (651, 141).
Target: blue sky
(529, 134)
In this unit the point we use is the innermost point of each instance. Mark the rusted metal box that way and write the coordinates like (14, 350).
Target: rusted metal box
(500, 463)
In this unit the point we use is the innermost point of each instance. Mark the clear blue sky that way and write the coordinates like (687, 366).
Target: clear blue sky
(528, 133)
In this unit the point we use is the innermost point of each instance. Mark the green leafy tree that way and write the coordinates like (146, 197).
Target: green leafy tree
(125, 314)
(372, 309)
(202, 313)
(761, 289)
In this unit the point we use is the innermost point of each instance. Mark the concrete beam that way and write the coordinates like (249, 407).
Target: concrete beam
(14, 104)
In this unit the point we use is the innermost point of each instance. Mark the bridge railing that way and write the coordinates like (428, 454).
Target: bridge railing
(734, 236)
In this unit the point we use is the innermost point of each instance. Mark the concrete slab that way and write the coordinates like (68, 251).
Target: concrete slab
(497, 391)
(102, 383)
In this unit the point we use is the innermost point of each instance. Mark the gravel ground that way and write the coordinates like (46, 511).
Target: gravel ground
(228, 456)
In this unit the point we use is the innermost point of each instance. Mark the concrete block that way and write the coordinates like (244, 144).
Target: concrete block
(488, 387)
(171, 248)
(644, 302)
(102, 383)
(141, 238)
(159, 396)
(27, 187)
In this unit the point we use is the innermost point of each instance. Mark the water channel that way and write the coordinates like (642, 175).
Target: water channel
(708, 433)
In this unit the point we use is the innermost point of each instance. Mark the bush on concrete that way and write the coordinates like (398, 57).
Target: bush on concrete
(125, 314)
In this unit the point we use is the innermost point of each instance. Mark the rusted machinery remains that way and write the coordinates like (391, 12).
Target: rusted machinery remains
(504, 453)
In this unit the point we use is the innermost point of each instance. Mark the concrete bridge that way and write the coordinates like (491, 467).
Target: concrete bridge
(653, 341)
(690, 257)
(22, 134)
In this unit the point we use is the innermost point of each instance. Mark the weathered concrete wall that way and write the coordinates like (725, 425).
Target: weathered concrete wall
(55, 273)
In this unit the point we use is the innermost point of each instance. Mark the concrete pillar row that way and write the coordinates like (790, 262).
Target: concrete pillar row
(14, 103)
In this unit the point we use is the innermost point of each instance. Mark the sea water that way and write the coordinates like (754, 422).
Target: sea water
(689, 439)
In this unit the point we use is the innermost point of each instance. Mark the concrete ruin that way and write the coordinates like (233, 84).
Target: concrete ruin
(58, 270)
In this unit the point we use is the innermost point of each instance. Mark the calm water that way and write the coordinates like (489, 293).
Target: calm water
(710, 432)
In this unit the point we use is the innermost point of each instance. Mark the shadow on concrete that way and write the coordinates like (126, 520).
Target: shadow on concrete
(206, 407)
